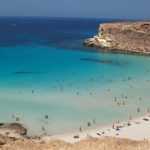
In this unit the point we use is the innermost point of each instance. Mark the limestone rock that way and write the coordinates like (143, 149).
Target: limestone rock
(126, 37)
(16, 127)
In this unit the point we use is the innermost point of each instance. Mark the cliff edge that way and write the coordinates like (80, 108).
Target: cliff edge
(126, 37)
(103, 143)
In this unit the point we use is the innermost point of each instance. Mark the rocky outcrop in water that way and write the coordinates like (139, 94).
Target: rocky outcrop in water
(14, 128)
(126, 37)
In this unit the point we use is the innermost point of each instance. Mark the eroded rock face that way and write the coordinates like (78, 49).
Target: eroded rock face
(15, 127)
(126, 37)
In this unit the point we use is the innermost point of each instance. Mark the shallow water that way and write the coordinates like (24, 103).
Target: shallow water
(46, 70)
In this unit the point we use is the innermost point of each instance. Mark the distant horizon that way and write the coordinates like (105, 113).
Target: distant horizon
(66, 17)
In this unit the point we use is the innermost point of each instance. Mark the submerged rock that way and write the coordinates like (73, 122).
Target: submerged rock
(126, 37)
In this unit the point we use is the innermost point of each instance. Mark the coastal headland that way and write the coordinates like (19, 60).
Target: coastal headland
(124, 37)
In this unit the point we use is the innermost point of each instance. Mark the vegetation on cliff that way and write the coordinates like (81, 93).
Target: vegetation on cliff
(126, 37)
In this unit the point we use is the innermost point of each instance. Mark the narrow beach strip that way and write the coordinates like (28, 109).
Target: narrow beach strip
(136, 129)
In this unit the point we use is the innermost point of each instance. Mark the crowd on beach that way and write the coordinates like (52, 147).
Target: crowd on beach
(122, 100)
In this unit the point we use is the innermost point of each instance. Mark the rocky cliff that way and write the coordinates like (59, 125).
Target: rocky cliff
(126, 37)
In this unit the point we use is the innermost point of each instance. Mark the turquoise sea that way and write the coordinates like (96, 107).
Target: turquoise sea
(45, 70)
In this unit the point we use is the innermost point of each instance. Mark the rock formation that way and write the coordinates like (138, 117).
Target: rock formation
(126, 37)
(13, 128)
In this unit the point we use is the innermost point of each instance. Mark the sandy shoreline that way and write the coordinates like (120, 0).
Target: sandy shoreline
(136, 129)
(132, 136)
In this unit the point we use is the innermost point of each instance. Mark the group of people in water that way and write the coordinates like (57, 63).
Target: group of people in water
(121, 100)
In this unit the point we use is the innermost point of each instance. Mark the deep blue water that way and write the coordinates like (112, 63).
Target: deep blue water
(45, 69)
(56, 32)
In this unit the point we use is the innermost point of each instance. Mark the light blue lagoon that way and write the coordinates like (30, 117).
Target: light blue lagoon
(72, 87)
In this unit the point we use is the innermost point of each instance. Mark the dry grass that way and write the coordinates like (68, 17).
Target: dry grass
(106, 143)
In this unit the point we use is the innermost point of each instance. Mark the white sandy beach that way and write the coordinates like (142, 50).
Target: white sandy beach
(138, 130)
